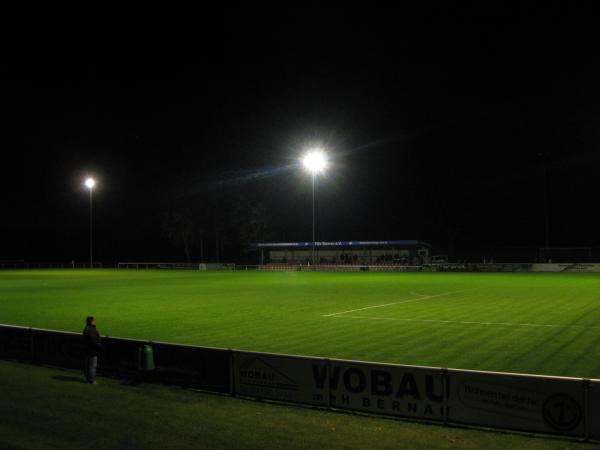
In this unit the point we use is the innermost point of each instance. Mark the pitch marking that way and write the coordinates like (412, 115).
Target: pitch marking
(417, 293)
(474, 323)
(397, 303)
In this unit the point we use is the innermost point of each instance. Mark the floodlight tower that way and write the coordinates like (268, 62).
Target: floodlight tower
(90, 183)
(315, 162)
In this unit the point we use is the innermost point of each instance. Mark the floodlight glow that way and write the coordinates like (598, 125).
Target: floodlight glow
(315, 161)
(90, 183)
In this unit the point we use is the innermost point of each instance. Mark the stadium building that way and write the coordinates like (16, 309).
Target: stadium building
(370, 253)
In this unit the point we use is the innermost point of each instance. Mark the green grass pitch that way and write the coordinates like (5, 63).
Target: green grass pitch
(530, 323)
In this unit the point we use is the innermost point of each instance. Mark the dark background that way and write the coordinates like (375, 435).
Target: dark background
(438, 122)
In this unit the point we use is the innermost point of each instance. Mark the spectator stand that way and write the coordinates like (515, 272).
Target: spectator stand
(344, 253)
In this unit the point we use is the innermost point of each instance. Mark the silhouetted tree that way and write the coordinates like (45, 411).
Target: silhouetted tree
(182, 231)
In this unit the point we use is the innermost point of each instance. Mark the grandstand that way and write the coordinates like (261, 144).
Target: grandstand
(366, 253)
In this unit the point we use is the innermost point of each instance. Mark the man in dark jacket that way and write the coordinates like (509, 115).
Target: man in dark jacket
(92, 347)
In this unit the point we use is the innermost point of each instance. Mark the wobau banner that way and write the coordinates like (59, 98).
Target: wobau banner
(519, 402)
(407, 391)
(279, 377)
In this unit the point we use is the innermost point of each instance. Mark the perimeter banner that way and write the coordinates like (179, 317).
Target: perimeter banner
(519, 402)
(58, 348)
(16, 343)
(280, 377)
(566, 267)
(533, 403)
(406, 391)
(187, 365)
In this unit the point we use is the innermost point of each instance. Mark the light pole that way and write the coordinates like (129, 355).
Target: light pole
(90, 183)
(546, 213)
(315, 162)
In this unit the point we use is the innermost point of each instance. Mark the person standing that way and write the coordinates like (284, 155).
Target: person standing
(92, 346)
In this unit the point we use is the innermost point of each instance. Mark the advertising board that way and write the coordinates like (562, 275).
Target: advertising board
(406, 391)
(281, 377)
(520, 402)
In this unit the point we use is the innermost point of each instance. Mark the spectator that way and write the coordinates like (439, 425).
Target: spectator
(92, 346)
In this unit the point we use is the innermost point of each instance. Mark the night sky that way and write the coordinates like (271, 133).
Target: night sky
(438, 121)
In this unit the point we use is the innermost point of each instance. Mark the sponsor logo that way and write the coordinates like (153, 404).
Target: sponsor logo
(562, 412)
(259, 373)
(500, 399)
(378, 382)
(389, 390)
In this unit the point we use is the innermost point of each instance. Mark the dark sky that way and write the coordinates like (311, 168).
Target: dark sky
(438, 121)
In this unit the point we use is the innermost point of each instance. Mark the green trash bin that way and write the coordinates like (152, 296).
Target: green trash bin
(146, 358)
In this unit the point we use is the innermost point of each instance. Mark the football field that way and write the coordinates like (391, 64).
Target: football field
(521, 322)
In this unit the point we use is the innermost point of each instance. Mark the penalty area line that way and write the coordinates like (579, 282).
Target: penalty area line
(465, 322)
(427, 297)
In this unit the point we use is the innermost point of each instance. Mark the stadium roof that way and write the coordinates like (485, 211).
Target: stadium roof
(304, 244)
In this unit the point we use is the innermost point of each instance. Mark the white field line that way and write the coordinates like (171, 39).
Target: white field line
(416, 293)
(427, 297)
(506, 324)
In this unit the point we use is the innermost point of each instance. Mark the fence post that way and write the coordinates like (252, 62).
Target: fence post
(231, 373)
(31, 345)
(586, 408)
(328, 390)
(154, 375)
(445, 393)
(106, 356)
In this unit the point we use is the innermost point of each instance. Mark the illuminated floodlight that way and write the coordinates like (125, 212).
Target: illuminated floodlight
(90, 183)
(315, 161)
